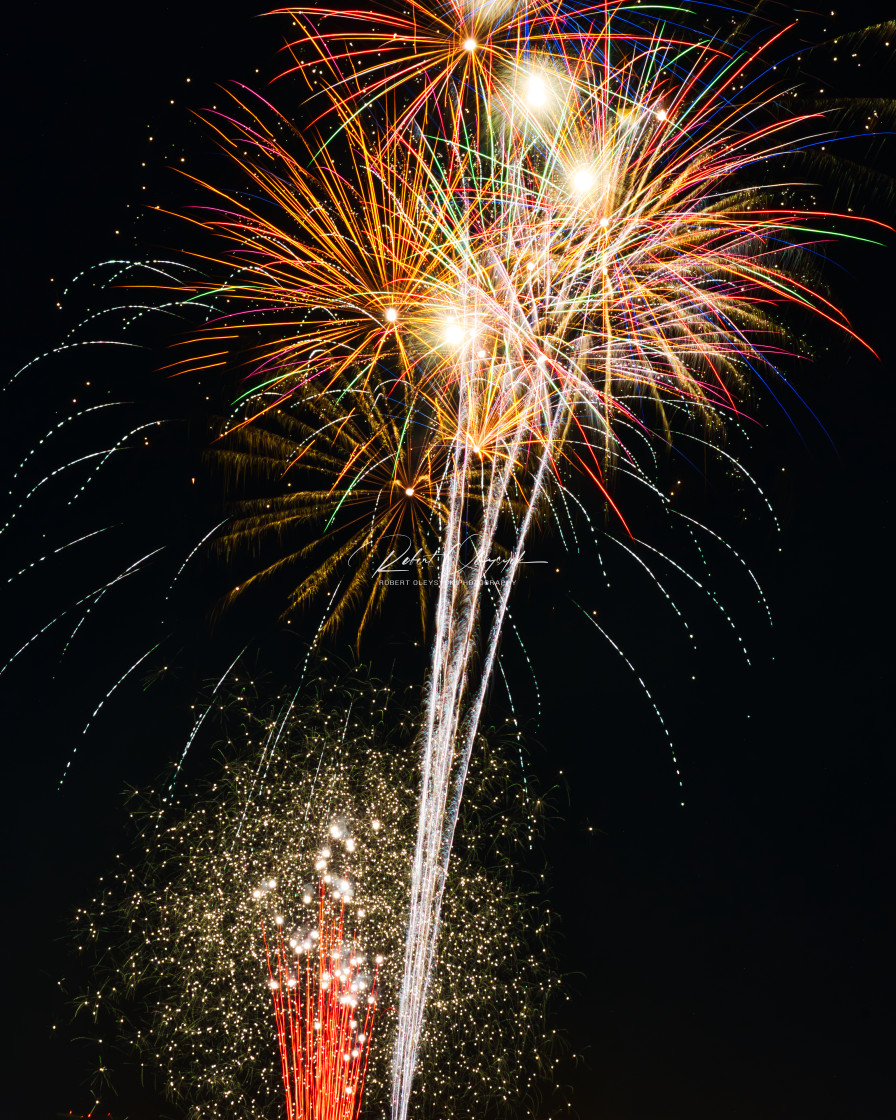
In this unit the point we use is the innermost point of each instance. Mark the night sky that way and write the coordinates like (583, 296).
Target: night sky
(731, 958)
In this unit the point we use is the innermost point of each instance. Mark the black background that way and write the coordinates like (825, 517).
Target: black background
(730, 958)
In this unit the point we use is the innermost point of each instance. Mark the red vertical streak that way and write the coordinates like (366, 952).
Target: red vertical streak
(322, 1079)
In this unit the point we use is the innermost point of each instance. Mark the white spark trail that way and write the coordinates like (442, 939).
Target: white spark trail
(451, 726)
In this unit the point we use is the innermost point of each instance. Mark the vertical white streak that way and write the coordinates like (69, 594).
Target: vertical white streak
(451, 723)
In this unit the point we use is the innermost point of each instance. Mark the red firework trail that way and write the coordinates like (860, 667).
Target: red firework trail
(324, 1007)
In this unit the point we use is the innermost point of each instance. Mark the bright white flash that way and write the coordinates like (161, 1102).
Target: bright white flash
(537, 92)
(583, 179)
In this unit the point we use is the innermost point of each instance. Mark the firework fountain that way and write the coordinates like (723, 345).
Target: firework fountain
(232, 856)
(324, 1006)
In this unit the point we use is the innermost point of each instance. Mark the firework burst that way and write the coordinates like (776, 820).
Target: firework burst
(323, 791)
(544, 235)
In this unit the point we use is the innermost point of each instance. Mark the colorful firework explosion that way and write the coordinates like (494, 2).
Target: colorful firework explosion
(542, 236)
